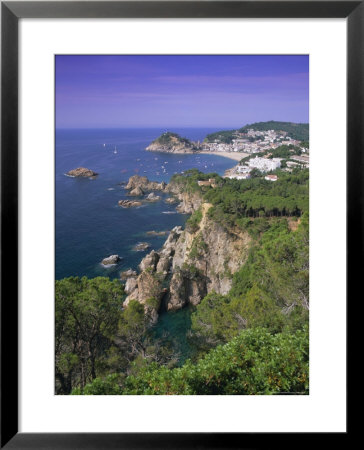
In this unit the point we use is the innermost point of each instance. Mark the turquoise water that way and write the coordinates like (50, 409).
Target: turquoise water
(89, 223)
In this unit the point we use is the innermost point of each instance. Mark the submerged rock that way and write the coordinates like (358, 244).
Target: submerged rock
(156, 233)
(141, 247)
(81, 172)
(110, 260)
(129, 203)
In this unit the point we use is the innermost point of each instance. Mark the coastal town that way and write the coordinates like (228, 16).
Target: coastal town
(258, 152)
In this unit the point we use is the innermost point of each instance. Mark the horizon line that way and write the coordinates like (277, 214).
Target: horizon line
(170, 126)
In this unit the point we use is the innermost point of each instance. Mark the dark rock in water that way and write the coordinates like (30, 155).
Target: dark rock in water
(156, 233)
(129, 203)
(127, 274)
(141, 246)
(81, 172)
(137, 191)
(152, 197)
(110, 260)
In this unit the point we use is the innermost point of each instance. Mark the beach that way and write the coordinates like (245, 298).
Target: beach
(236, 156)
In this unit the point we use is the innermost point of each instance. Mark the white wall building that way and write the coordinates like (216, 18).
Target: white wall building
(264, 164)
(243, 169)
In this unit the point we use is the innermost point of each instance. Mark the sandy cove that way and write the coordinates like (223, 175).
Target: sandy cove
(236, 156)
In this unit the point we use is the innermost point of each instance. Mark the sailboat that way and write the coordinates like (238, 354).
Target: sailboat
(115, 150)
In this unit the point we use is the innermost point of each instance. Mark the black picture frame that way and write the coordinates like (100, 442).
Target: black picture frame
(11, 12)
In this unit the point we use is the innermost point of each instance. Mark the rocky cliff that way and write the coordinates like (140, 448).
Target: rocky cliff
(142, 185)
(191, 263)
(172, 143)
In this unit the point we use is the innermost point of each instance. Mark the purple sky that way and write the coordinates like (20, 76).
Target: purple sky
(181, 91)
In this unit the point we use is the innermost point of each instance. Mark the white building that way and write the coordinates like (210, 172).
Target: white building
(265, 165)
(243, 169)
(271, 177)
(243, 176)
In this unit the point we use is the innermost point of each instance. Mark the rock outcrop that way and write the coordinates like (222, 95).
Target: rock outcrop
(110, 260)
(205, 261)
(81, 172)
(128, 274)
(137, 191)
(191, 264)
(152, 197)
(142, 183)
(171, 200)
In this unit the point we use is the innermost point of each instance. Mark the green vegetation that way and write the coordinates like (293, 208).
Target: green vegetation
(95, 337)
(256, 198)
(169, 137)
(198, 247)
(87, 313)
(192, 224)
(187, 182)
(234, 200)
(255, 362)
(299, 131)
(221, 136)
(271, 290)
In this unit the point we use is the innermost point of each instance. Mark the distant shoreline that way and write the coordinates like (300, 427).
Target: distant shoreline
(236, 156)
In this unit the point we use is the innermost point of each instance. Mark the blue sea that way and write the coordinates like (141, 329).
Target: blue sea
(89, 223)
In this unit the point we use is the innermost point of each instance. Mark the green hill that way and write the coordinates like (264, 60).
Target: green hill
(299, 131)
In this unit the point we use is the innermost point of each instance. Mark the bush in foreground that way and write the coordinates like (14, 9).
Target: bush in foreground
(255, 362)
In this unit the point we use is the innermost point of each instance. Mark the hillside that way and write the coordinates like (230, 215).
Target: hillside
(299, 131)
(170, 142)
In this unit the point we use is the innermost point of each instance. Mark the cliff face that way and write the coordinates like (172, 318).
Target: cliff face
(204, 261)
(191, 263)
